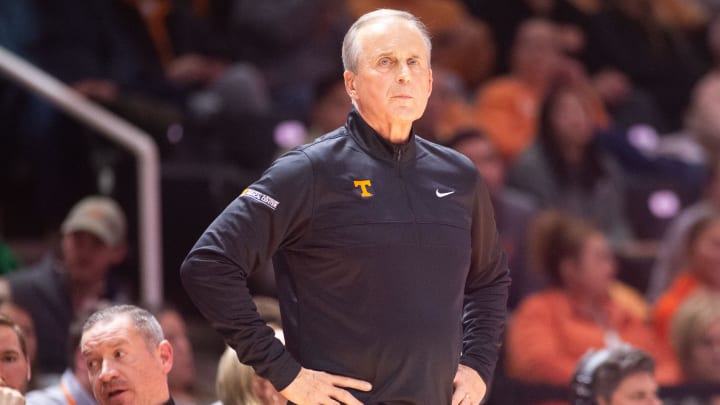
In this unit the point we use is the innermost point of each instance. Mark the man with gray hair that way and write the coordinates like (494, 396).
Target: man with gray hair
(391, 279)
(127, 357)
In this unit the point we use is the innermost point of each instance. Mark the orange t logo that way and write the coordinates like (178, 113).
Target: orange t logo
(363, 184)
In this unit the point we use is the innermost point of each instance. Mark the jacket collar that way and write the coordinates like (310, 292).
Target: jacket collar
(374, 144)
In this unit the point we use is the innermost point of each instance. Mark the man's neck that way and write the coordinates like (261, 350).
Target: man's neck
(396, 132)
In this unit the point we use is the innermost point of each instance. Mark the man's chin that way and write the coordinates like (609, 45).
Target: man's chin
(120, 398)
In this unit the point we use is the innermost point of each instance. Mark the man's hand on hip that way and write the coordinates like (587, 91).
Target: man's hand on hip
(312, 387)
(469, 387)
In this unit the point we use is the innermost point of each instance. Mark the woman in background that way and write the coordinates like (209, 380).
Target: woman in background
(552, 329)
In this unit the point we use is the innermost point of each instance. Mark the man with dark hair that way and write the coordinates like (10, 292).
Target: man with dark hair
(617, 376)
(15, 365)
(127, 356)
(391, 276)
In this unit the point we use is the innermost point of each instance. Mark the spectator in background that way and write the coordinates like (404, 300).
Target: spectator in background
(235, 381)
(617, 376)
(514, 210)
(237, 384)
(695, 335)
(15, 366)
(701, 119)
(127, 357)
(74, 385)
(564, 168)
(505, 17)
(24, 321)
(507, 108)
(293, 43)
(447, 110)
(58, 288)
(584, 308)
(673, 252)
(701, 269)
(181, 378)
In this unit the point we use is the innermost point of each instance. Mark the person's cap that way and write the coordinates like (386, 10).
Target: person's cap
(101, 216)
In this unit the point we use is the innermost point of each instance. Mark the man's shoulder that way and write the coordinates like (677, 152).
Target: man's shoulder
(325, 142)
(48, 396)
(40, 272)
(444, 154)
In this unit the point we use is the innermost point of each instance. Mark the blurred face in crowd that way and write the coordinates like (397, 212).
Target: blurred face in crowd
(571, 121)
(123, 367)
(23, 319)
(87, 259)
(636, 389)
(704, 255)
(593, 271)
(535, 54)
(14, 365)
(393, 79)
(704, 362)
(182, 375)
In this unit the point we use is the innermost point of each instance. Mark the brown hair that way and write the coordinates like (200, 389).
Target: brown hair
(694, 316)
(6, 321)
(554, 237)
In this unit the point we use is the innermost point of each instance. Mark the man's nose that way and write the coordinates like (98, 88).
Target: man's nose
(108, 371)
(403, 75)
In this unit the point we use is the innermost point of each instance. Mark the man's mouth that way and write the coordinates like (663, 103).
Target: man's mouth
(114, 393)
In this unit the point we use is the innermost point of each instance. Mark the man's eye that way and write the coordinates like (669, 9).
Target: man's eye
(413, 62)
(9, 358)
(119, 354)
(384, 62)
(92, 365)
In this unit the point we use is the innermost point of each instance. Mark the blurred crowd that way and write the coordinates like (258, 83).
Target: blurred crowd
(595, 124)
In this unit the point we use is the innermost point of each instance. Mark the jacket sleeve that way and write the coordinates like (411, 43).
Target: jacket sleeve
(486, 291)
(270, 214)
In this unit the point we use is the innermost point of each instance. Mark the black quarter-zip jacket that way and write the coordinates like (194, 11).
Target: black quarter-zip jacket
(387, 259)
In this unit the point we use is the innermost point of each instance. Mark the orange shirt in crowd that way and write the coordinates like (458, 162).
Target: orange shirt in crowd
(507, 111)
(667, 305)
(546, 338)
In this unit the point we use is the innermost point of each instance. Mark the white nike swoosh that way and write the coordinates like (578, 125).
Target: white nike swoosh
(441, 195)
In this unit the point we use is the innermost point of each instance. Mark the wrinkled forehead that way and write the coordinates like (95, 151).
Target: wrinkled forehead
(9, 340)
(392, 34)
(108, 333)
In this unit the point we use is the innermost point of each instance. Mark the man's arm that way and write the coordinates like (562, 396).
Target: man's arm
(486, 291)
(271, 213)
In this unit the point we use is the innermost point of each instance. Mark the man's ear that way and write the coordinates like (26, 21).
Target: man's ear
(29, 373)
(349, 78)
(430, 84)
(165, 353)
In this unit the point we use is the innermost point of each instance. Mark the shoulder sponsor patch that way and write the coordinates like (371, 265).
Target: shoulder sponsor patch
(258, 196)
